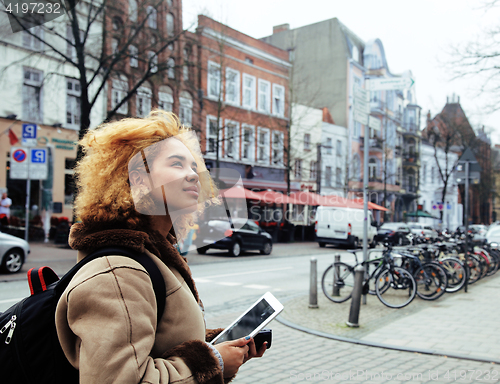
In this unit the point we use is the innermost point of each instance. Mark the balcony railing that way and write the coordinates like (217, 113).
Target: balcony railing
(410, 188)
(412, 128)
(374, 142)
(412, 157)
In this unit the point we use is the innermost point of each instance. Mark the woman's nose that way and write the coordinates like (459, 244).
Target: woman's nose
(192, 176)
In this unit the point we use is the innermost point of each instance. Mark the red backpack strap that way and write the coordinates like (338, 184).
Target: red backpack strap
(40, 278)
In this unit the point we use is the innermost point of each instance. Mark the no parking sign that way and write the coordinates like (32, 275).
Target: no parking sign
(28, 163)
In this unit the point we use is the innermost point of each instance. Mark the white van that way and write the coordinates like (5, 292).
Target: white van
(338, 225)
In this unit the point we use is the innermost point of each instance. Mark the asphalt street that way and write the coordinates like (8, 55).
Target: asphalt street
(228, 286)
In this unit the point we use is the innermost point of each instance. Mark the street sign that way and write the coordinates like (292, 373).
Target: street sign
(29, 135)
(374, 123)
(389, 83)
(360, 117)
(28, 163)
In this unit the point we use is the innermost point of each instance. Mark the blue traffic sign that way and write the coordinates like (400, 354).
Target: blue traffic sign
(19, 155)
(38, 156)
(29, 131)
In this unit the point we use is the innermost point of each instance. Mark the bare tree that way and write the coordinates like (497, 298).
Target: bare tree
(100, 39)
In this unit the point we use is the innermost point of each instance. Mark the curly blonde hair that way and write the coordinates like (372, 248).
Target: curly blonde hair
(102, 176)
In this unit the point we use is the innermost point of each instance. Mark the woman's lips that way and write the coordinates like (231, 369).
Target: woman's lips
(193, 191)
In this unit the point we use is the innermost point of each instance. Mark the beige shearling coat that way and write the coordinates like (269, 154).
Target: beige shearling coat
(106, 318)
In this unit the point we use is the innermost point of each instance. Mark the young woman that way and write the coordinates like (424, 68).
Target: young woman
(138, 179)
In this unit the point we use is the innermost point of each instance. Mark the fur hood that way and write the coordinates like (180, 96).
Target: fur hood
(87, 240)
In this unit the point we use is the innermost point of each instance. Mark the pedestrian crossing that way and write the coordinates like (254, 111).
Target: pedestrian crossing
(201, 281)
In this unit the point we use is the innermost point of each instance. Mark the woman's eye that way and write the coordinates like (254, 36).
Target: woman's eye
(177, 163)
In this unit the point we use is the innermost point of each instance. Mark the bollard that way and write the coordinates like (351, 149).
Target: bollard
(313, 286)
(337, 272)
(353, 321)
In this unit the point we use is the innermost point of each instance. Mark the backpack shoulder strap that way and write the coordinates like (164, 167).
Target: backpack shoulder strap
(143, 259)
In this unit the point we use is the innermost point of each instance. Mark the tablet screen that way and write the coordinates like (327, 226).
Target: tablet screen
(251, 320)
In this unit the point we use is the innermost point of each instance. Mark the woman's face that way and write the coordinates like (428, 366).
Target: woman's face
(174, 178)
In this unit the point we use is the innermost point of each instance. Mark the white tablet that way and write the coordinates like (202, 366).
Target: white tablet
(253, 320)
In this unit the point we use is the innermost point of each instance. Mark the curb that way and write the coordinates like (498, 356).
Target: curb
(432, 352)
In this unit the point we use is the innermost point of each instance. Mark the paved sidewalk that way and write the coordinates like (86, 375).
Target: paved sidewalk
(462, 324)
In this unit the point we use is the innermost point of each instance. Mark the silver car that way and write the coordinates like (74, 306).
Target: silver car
(13, 252)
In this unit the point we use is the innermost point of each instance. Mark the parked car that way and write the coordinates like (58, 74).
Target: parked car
(339, 225)
(394, 233)
(493, 234)
(217, 234)
(14, 252)
(478, 232)
(423, 231)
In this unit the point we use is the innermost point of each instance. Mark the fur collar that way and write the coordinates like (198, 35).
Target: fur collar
(83, 238)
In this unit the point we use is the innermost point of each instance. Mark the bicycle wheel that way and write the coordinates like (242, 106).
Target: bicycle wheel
(395, 287)
(455, 272)
(372, 267)
(475, 268)
(495, 263)
(338, 282)
(431, 281)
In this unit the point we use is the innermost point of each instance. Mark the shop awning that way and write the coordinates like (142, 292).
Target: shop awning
(305, 198)
(273, 197)
(372, 205)
(239, 193)
(421, 214)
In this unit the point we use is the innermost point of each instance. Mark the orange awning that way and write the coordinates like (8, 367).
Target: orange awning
(271, 197)
(239, 193)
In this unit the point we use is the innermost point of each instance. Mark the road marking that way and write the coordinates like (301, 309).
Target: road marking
(229, 284)
(256, 286)
(243, 273)
(198, 280)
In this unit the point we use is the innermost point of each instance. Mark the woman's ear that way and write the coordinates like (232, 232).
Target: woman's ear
(136, 178)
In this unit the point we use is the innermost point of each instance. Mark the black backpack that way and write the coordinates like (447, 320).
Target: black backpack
(29, 348)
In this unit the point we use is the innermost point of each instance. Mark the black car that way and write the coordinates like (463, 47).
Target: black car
(394, 233)
(248, 236)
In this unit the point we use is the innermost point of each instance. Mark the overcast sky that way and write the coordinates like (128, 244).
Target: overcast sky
(417, 35)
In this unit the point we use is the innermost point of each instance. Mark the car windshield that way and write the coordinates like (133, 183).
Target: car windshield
(391, 226)
(415, 226)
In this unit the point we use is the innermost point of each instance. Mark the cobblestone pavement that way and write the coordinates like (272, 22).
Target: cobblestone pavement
(462, 324)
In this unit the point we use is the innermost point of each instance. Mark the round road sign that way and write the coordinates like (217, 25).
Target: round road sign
(19, 155)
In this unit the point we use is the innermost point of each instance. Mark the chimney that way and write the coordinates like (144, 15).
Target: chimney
(429, 115)
(281, 28)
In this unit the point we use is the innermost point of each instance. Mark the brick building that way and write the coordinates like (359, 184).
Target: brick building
(243, 85)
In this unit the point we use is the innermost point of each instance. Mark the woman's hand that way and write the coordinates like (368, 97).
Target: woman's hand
(236, 352)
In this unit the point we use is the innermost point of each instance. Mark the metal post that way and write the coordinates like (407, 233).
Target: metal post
(337, 272)
(353, 321)
(27, 219)
(466, 224)
(313, 286)
(318, 168)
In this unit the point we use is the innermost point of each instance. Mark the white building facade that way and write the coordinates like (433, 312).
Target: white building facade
(431, 188)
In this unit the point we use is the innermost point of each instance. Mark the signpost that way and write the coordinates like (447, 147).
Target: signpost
(28, 163)
(466, 163)
(389, 83)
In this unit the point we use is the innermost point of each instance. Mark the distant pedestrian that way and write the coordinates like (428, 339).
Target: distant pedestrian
(5, 204)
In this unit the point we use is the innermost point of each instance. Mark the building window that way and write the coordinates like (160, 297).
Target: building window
(30, 41)
(264, 96)
(118, 93)
(231, 135)
(232, 86)
(152, 17)
(170, 24)
(73, 93)
(357, 130)
(212, 135)
(247, 145)
(132, 10)
(186, 108)
(297, 169)
(263, 145)
(153, 61)
(134, 56)
(69, 183)
(249, 91)
(114, 46)
(307, 142)
(165, 98)
(32, 95)
(338, 177)
(213, 84)
(339, 148)
(277, 148)
(313, 170)
(171, 68)
(328, 176)
(143, 101)
(278, 100)
(372, 168)
(329, 146)
(185, 70)
(424, 173)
